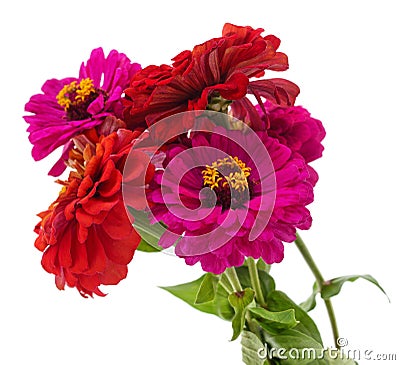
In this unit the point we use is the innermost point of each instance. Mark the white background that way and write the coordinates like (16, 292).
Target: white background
(345, 57)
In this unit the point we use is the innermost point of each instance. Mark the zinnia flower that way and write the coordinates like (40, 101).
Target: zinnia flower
(86, 235)
(210, 76)
(294, 127)
(70, 106)
(228, 187)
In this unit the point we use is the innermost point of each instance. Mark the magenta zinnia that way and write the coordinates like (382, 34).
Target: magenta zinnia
(295, 128)
(216, 204)
(70, 106)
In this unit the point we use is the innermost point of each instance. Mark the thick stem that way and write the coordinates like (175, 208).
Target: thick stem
(255, 280)
(321, 282)
(233, 279)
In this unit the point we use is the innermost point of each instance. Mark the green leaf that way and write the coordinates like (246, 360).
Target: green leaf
(278, 301)
(293, 347)
(292, 338)
(188, 292)
(240, 301)
(266, 281)
(262, 266)
(310, 303)
(333, 287)
(150, 233)
(146, 247)
(338, 359)
(225, 283)
(275, 321)
(207, 289)
(251, 347)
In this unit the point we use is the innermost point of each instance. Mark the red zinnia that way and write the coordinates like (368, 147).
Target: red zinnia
(86, 235)
(213, 75)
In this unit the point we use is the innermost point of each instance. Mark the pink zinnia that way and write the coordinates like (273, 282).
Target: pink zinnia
(239, 182)
(71, 106)
(295, 128)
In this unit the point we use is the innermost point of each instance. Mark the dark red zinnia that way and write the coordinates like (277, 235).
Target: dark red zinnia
(210, 76)
(86, 235)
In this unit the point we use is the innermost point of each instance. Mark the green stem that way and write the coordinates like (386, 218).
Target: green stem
(321, 282)
(310, 261)
(233, 279)
(332, 318)
(225, 283)
(257, 330)
(255, 280)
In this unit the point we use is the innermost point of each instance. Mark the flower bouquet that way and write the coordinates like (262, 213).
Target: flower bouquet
(205, 159)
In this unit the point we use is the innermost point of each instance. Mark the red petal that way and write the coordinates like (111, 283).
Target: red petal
(69, 210)
(274, 40)
(245, 111)
(113, 274)
(84, 219)
(40, 242)
(89, 283)
(82, 234)
(279, 91)
(60, 280)
(96, 254)
(49, 260)
(70, 278)
(117, 225)
(286, 90)
(234, 88)
(85, 186)
(94, 206)
(123, 139)
(121, 251)
(79, 257)
(93, 165)
(64, 250)
(112, 185)
(135, 197)
(135, 167)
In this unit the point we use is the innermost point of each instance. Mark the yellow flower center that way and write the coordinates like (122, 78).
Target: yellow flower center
(227, 171)
(75, 93)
